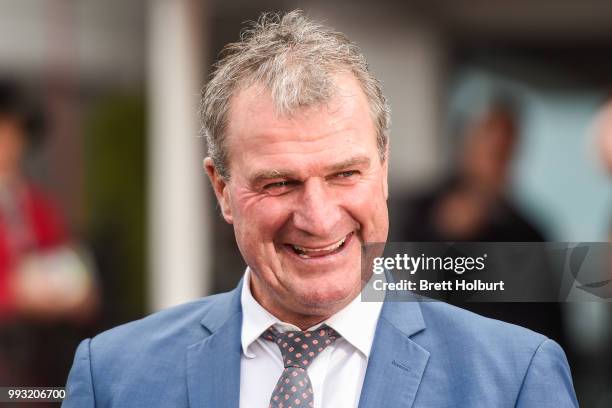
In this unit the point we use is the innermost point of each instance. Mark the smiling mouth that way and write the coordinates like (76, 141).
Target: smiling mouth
(305, 252)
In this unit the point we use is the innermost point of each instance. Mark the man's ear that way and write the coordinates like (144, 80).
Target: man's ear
(221, 189)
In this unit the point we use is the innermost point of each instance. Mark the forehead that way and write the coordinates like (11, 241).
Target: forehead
(341, 126)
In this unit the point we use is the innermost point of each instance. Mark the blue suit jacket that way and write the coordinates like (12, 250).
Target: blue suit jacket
(425, 354)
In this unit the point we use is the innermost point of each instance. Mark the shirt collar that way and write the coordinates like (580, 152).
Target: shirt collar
(255, 319)
(356, 322)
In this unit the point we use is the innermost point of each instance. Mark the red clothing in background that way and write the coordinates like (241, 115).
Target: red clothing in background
(28, 223)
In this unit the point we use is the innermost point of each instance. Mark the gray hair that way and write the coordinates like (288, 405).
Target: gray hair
(295, 59)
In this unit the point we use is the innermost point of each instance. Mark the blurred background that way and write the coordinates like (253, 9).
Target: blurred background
(502, 131)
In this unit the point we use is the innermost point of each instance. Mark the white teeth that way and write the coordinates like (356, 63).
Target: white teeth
(327, 248)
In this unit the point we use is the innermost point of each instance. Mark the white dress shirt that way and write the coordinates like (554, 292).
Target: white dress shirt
(336, 374)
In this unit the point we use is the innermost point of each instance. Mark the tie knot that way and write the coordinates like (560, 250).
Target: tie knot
(299, 348)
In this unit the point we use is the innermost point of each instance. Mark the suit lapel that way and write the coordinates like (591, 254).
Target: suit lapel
(396, 364)
(213, 364)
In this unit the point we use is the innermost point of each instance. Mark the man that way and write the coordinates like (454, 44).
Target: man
(297, 131)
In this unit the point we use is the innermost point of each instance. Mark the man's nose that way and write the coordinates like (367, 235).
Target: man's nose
(316, 210)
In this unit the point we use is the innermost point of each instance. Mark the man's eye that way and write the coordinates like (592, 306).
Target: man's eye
(279, 186)
(347, 174)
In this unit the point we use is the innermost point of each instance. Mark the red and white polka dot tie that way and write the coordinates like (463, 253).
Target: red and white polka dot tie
(299, 349)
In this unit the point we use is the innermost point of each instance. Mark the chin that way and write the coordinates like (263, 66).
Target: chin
(324, 302)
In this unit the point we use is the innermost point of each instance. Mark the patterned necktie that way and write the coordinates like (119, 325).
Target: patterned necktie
(298, 348)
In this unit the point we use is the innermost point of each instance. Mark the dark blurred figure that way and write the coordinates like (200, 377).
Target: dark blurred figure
(473, 206)
(44, 281)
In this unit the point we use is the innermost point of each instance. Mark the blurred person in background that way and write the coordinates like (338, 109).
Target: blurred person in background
(44, 281)
(604, 134)
(590, 318)
(474, 205)
(604, 144)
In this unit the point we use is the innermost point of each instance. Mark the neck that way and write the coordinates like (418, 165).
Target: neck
(305, 322)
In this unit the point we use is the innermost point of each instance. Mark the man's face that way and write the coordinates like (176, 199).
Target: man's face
(488, 151)
(305, 192)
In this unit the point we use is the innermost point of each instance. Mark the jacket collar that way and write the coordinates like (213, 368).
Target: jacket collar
(222, 308)
(213, 364)
(397, 363)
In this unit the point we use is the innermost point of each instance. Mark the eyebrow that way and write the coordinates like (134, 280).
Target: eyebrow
(361, 161)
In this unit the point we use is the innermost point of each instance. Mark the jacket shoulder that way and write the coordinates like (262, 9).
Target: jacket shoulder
(180, 323)
(470, 328)
(477, 344)
(491, 362)
(161, 338)
(129, 356)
